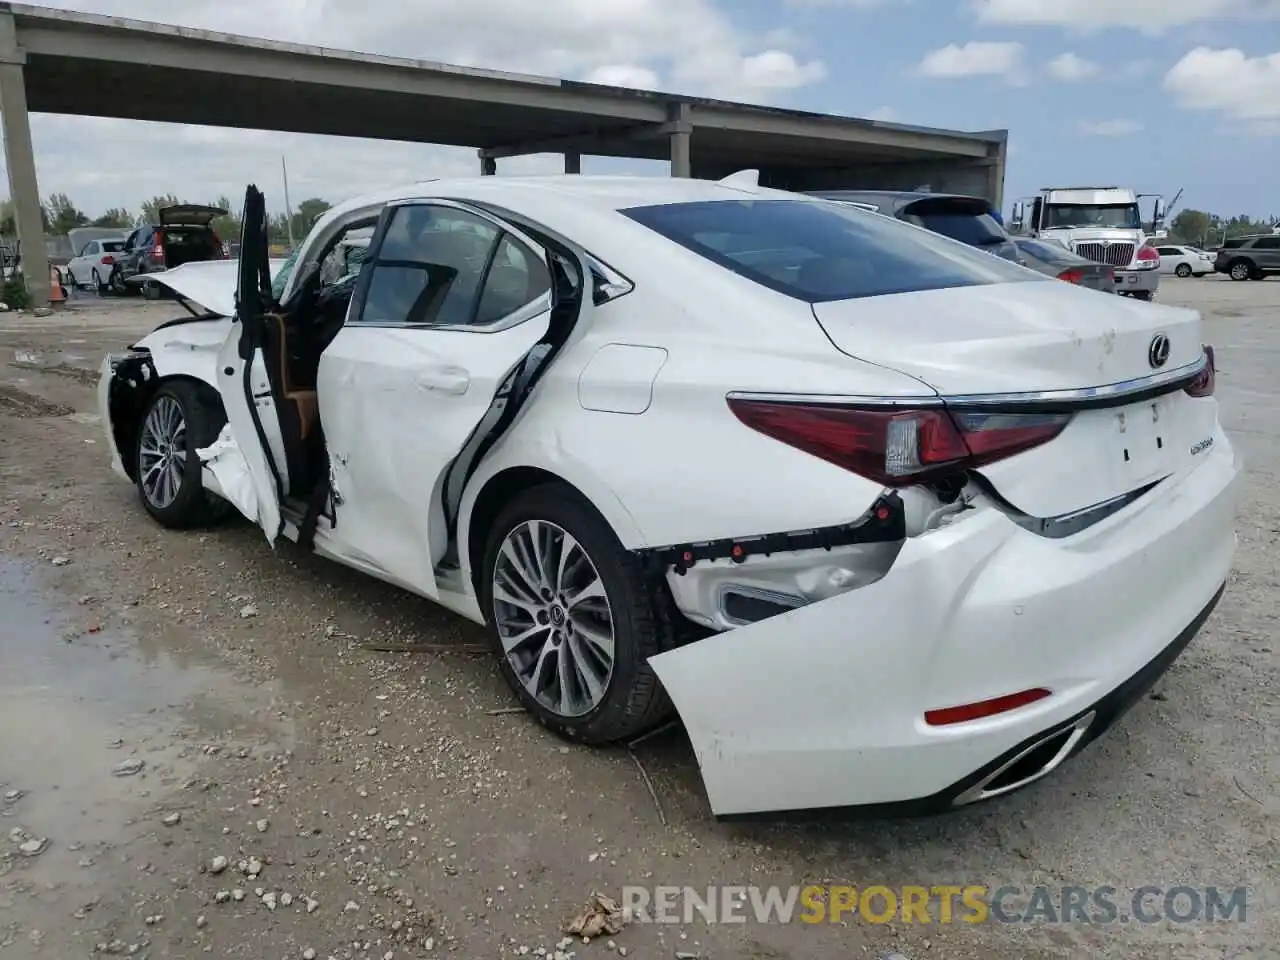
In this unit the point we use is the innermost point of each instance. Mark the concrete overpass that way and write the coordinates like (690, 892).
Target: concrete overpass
(54, 61)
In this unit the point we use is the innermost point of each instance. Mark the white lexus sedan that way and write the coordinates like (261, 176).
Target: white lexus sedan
(888, 522)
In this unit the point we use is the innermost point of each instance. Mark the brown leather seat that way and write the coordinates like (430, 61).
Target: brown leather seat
(304, 401)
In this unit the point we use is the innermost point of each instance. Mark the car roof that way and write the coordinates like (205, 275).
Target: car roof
(617, 192)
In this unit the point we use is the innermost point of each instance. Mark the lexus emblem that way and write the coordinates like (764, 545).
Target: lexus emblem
(1158, 352)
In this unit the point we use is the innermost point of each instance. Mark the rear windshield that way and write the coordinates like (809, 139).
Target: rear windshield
(967, 221)
(112, 246)
(1050, 252)
(820, 250)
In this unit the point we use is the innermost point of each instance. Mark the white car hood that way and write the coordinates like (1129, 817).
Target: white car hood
(210, 283)
(1011, 337)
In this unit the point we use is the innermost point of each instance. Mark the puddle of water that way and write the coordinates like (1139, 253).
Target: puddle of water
(75, 705)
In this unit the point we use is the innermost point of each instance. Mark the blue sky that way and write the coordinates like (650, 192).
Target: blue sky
(1154, 94)
(1101, 115)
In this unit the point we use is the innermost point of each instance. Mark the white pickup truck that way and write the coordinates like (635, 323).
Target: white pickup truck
(1103, 224)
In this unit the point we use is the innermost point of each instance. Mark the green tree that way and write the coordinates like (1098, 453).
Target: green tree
(1190, 226)
(151, 209)
(63, 215)
(115, 217)
(227, 227)
(309, 211)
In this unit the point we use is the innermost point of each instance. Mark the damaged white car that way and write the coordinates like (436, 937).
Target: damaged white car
(888, 522)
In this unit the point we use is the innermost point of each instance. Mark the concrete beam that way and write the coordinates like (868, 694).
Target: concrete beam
(20, 158)
(681, 134)
(584, 142)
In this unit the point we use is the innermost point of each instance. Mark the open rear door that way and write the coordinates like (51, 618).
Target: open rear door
(242, 372)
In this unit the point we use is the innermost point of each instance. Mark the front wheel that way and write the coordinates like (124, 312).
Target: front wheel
(178, 421)
(573, 619)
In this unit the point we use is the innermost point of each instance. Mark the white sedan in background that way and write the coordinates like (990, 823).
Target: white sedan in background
(1184, 261)
(92, 265)
(886, 521)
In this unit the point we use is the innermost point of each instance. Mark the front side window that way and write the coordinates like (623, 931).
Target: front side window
(817, 250)
(443, 266)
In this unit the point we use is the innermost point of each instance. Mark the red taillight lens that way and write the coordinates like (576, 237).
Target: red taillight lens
(984, 708)
(898, 447)
(1148, 254)
(107, 259)
(1204, 384)
(1071, 276)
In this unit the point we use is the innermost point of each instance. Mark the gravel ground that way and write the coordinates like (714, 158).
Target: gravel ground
(216, 766)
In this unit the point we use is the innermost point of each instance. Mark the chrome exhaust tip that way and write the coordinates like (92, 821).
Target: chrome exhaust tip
(1030, 764)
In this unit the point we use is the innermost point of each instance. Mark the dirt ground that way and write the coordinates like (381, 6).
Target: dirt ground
(168, 699)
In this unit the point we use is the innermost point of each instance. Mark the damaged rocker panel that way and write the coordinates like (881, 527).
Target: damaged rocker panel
(885, 522)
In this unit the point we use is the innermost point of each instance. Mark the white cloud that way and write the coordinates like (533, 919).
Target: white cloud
(1071, 68)
(779, 70)
(974, 60)
(688, 46)
(1239, 87)
(624, 75)
(1151, 16)
(885, 114)
(1109, 128)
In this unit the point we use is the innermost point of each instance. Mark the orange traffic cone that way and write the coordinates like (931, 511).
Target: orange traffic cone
(57, 294)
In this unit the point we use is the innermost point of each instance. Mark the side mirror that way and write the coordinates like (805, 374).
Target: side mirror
(1018, 216)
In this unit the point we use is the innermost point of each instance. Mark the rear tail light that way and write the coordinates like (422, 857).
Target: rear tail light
(1073, 275)
(1204, 384)
(1148, 256)
(894, 446)
(107, 259)
(157, 252)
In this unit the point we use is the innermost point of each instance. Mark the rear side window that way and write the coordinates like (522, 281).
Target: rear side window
(112, 246)
(817, 251)
(964, 220)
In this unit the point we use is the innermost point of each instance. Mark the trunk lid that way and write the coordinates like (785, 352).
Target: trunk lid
(1037, 337)
(1011, 337)
(189, 215)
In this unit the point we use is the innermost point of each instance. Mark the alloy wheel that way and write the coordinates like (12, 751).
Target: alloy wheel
(1240, 271)
(162, 452)
(553, 618)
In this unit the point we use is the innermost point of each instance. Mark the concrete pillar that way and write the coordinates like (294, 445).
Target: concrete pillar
(21, 160)
(573, 162)
(488, 166)
(681, 133)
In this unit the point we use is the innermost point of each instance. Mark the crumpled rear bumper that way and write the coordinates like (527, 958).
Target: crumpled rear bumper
(824, 706)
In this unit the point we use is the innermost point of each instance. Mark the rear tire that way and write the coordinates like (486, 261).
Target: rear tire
(1240, 270)
(180, 418)
(101, 288)
(1183, 270)
(557, 630)
(151, 290)
(1146, 295)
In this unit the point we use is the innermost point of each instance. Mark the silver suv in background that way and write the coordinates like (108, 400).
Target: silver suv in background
(1249, 258)
(967, 219)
